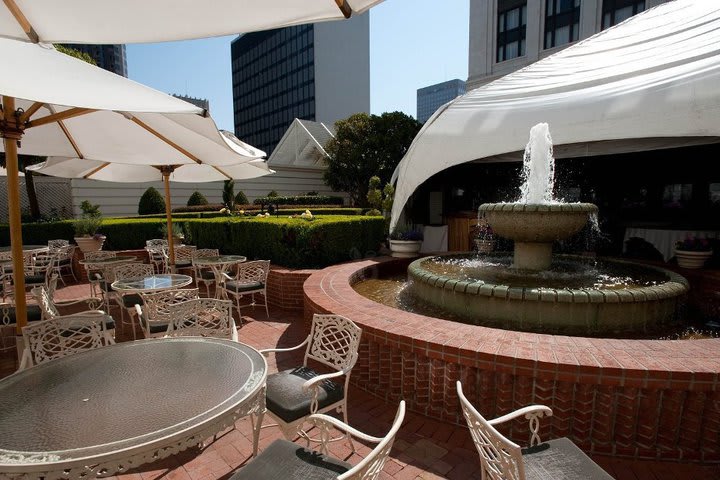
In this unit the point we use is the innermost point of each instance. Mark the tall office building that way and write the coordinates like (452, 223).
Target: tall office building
(318, 72)
(433, 97)
(109, 57)
(506, 35)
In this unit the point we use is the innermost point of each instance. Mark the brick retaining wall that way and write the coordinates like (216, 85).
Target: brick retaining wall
(631, 398)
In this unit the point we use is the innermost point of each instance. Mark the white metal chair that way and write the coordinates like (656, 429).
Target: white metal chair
(204, 274)
(502, 459)
(202, 317)
(63, 260)
(127, 301)
(154, 315)
(183, 257)
(287, 460)
(155, 247)
(37, 269)
(250, 278)
(62, 336)
(95, 271)
(49, 308)
(294, 394)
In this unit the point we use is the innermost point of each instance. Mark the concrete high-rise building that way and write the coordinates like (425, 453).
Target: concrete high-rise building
(318, 72)
(506, 35)
(433, 97)
(109, 57)
(198, 102)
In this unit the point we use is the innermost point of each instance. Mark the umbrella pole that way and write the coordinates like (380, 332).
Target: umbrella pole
(11, 131)
(168, 213)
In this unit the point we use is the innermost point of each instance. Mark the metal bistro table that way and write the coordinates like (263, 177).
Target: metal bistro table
(104, 411)
(219, 265)
(152, 283)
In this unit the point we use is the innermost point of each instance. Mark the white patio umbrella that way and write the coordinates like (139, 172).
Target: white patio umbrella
(124, 173)
(57, 105)
(133, 21)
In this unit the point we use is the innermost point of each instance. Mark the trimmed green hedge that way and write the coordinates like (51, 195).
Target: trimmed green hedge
(291, 242)
(283, 212)
(300, 200)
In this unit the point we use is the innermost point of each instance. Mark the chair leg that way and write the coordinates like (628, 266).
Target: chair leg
(237, 302)
(267, 312)
(257, 425)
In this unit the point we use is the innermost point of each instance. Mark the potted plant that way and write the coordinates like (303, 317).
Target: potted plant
(692, 252)
(86, 233)
(177, 233)
(405, 243)
(482, 237)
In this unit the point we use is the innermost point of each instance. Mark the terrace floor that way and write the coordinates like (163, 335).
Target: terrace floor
(424, 448)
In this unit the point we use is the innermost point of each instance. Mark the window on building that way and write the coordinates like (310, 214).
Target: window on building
(616, 11)
(562, 22)
(512, 19)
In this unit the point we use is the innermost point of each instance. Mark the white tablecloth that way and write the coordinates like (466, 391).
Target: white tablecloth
(435, 239)
(664, 240)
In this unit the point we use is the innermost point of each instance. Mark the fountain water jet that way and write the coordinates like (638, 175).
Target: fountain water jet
(574, 295)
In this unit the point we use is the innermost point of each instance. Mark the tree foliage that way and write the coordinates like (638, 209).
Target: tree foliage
(151, 202)
(228, 194)
(365, 146)
(76, 53)
(196, 198)
(241, 198)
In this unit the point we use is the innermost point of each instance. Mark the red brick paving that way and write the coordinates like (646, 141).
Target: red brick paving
(424, 448)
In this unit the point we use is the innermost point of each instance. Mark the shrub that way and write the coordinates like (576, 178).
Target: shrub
(273, 194)
(228, 194)
(373, 213)
(151, 202)
(304, 200)
(89, 209)
(196, 199)
(241, 198)
(210, 207)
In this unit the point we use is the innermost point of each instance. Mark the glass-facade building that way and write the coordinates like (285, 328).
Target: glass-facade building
(273, 79)
(433, 97)
(109, 57)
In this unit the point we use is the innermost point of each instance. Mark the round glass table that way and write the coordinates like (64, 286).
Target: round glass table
(104, 262)
(152, 283)
(111, 409)
(218, 264)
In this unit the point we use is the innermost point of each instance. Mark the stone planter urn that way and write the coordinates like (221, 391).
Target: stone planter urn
(90, 244)
(405, 248)
(691, 258)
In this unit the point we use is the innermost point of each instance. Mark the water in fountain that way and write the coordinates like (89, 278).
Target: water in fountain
(538, 167)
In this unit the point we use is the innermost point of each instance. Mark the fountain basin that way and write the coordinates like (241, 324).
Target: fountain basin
(511, 304)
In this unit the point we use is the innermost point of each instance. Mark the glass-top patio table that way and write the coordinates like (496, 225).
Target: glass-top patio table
(103, 262)
(219, 264)
(110, 409)
(152, 283)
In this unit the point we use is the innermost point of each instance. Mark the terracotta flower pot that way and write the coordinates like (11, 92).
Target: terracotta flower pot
(691, 259)
(90, 244)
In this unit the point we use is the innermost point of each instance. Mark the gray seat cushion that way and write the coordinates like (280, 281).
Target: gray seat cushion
(286, 398)
(560, 459)
(207, 275)
(236, 286)
(33, 313)
(284, 460)
(183, 264)
(129, 301)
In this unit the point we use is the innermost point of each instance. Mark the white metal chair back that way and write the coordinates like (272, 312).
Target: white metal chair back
(156, 242)
(184, 252)
(205, 252)
(48, 309)
(333, 341)
(250, 272)
(203, 317)
(128, 271)
(155, 308)
(62, 336)
(57, 244)
(500, 458)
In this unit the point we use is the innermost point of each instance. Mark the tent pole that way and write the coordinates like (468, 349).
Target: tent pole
(11, 131)
(168, 213)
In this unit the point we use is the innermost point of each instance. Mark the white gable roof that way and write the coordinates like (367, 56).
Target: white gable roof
(302, 146)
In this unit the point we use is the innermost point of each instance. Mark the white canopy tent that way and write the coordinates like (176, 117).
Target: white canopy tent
(140, 21)
(57, 105)
(652, 81)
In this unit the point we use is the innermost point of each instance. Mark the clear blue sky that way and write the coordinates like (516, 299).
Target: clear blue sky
(413, 44)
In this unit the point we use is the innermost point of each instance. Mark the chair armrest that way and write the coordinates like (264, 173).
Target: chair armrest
(267, 351)
(321, 420)
(227, 277)
(533, 413)
(138, 310)
(320, 378)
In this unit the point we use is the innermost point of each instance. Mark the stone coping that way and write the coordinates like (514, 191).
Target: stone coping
(539, 207)
(675, 285)
(657, 364)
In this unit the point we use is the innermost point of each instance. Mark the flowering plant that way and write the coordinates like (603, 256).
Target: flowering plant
(694, 244)
(306, 215)
(406, 234)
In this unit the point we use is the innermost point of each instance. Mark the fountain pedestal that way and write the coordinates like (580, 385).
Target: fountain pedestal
(532, 256)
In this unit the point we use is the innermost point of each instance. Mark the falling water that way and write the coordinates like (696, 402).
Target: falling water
(538, 167)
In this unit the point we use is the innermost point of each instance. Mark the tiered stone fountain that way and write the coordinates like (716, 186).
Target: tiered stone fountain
(536, 291)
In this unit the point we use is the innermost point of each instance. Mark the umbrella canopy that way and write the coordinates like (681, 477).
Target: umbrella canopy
(57, 105)
(655, 76)
(133, 21)
(124, 173)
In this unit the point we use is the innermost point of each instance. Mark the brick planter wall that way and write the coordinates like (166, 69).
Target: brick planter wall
(631, 398)
(285, 287)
